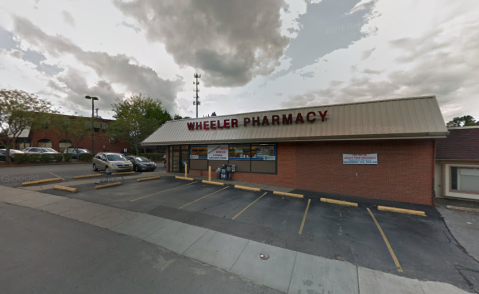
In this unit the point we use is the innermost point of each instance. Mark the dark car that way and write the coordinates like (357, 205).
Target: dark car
(76, 151)
(3, 153)
(141, 163)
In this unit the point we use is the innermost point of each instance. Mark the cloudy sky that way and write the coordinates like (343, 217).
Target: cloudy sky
(252, 55)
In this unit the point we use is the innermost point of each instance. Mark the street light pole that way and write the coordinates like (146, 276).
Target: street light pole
(92, 117)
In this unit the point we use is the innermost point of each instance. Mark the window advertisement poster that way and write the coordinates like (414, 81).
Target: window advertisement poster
(217, 152)
(360, 158)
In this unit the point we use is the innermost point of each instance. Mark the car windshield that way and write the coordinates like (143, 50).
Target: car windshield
(49, 149)
(115, 157)
(142, 159)
(83, 151)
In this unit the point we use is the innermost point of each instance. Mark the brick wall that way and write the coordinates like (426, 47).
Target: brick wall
(405, 171)
(102, 142)
(460, 144)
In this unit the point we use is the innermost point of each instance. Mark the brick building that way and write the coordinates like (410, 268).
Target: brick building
(457, 164)
(47, 137)
(378, 149)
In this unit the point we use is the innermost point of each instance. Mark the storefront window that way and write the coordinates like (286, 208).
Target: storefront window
(263, 152)
(199, 152)
(239, 152)
(465, 179)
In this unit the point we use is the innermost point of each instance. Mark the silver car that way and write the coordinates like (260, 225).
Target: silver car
(110, 162)
(40, 150)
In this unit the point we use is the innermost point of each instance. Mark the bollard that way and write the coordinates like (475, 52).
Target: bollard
(186, 170)
(209, 173)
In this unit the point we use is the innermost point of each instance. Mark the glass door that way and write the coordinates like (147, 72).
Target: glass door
(175, 162)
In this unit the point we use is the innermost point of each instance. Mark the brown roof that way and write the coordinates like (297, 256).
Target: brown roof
(462, 143)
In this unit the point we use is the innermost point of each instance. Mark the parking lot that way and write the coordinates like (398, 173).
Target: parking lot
(408, 245)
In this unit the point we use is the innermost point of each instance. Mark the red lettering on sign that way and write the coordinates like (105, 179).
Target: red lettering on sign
(323, 115)
(199, 125)
(246, 121)
(191, 126)
(265, 121)
(219, 125)
(299, 118)
(309, 114)
(275, 119)
(213, 125)
(226, 123)
(256, 121)
(234, 123)
(206, 125)
(287, 120)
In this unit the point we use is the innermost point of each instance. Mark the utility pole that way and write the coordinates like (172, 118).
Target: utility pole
(196, 83)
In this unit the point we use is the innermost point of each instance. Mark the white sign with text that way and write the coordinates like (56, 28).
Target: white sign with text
(217, 152)
(360, 158)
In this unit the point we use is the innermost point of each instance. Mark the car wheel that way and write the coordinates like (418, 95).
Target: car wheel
(107, 169)
(136, 168)
(94, 167)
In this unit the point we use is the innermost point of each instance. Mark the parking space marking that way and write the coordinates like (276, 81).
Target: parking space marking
(203, 197)
(56, 176)
(160, 192)
(239, 213)
(393, 255)
(304, 217)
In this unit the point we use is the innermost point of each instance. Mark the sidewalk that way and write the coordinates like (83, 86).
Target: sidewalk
(285, 270)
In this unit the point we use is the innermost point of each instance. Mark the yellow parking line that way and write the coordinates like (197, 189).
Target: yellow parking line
(203, 197)
(396, 261)
(304, 217)
(160, 192)
(248, 206)
(56, 176)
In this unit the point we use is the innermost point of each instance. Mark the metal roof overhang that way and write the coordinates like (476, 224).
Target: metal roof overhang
(438, 135)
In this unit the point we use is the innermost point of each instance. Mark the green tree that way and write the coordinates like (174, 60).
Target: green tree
(136, 118)
(72, 128)
(19, 111)
(462, 121)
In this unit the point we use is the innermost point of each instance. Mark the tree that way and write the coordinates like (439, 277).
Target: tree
(177, 116)
(136, 118)
(462, 121)
(74, 129)
(19, 111)
(214, 113)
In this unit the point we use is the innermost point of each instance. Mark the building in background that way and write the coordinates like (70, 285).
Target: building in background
(378, 149)
(457, 164)
(46, 136)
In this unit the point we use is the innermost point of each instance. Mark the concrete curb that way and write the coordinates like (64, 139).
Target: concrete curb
(64, 188)
(340, 202)
(184, 178)
(464, 209)
(108, 185)
(148, 179)
(247, 188)
(41, 181)
(401, 210)
(300, 196)
(213, 183)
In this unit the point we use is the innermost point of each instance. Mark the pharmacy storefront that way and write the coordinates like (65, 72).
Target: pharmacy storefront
(379, 149)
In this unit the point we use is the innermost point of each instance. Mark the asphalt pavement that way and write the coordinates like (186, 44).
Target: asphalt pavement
(359, 241)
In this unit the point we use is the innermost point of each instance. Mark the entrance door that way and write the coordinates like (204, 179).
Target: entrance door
(179, 156)
(175, 161)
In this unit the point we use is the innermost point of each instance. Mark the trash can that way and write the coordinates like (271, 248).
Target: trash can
(218, 173)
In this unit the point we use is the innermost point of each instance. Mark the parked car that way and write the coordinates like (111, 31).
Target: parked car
(76, 151)
(40, 150)
(3, 153)
(141, 163)
(109, 162)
